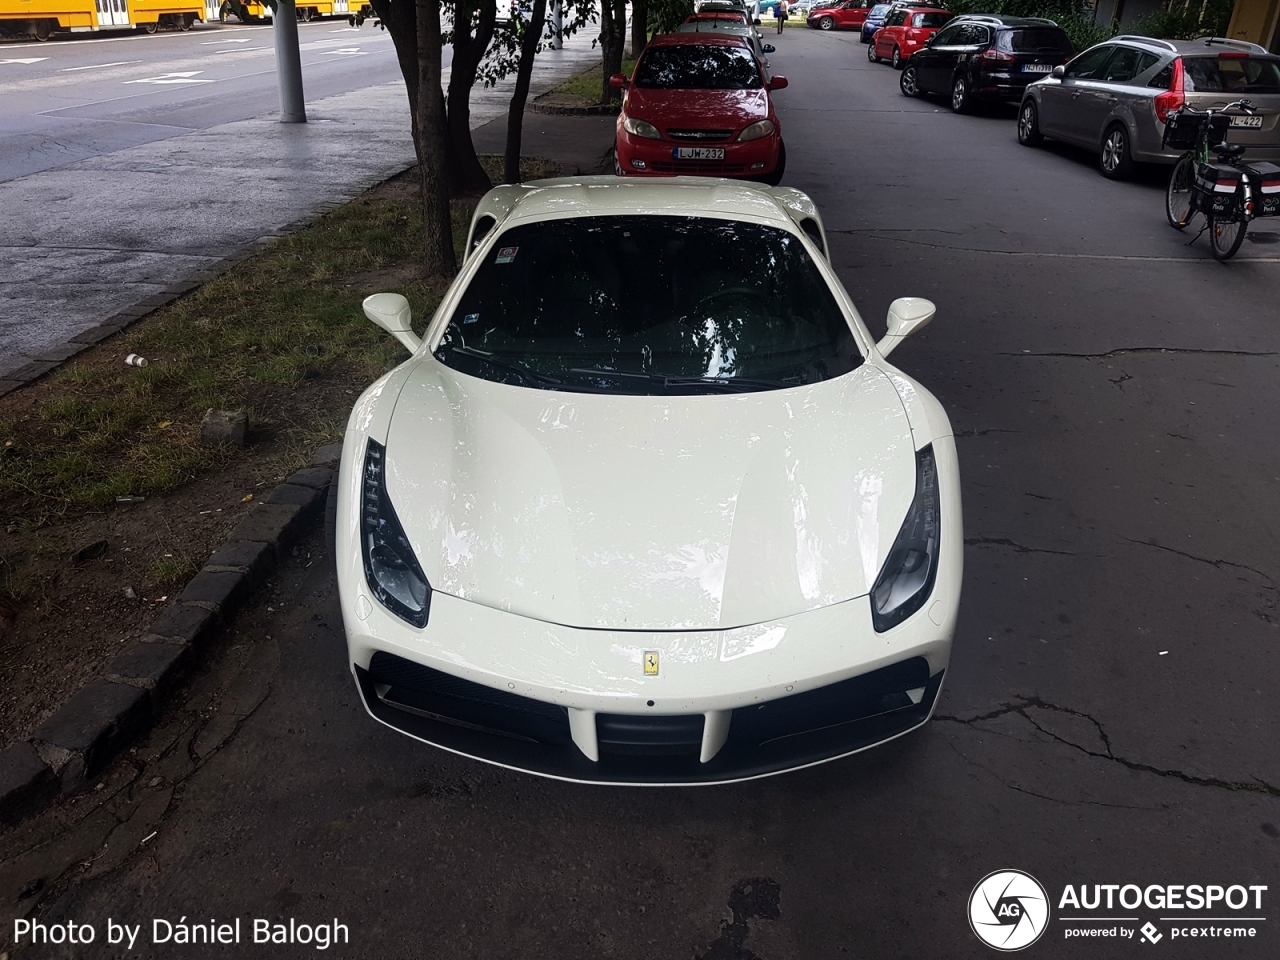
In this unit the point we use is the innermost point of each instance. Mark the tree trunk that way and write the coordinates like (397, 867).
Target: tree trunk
(613, 36)
(640, 27)
(431, 143)
(467, 176)
(515, 115)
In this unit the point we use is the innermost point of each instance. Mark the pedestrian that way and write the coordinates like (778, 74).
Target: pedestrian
(783, 8)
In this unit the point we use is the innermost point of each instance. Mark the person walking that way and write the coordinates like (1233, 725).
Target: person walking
(783, 9)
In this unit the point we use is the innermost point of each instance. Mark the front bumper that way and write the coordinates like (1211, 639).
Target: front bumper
(755, 158)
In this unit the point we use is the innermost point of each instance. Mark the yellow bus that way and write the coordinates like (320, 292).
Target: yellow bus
(307, 10)
(43, 18)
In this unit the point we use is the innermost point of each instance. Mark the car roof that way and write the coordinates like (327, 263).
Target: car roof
(611, 196)
(713, 27)
(999, 19)
(695, 40)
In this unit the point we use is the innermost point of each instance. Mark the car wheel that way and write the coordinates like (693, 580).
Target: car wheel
(774, 176)
(617, 164)
(1029, 134)
(908, 83)
(871, 52)
(896, 59)
(960, 95)
(826, 23)
(1116, 162)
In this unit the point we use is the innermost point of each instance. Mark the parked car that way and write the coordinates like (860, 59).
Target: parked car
(728, 28)
(986, 58)
(1115, 97)
(842, 15)
(874, 21)
(648, 504)
(727, 16)
(897, 14)
(905, 33)
(699, 104)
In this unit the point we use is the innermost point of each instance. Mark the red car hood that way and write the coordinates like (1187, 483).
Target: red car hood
(694, 109)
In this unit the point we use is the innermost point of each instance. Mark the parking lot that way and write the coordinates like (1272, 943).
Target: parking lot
(1107, 716)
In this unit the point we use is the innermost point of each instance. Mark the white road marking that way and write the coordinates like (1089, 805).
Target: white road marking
(210, 43)
(349, 52)
(24, 60)
(172, 78)
(96, 66)
(239, 49)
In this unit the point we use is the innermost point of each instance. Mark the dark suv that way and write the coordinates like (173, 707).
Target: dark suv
(981, 57)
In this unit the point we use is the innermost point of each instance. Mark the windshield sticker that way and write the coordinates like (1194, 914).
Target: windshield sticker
(471, 318)
(507, 254)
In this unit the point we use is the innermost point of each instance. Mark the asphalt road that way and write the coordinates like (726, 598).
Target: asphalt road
(1109, 716)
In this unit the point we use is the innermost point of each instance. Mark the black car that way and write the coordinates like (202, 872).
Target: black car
(981, 57)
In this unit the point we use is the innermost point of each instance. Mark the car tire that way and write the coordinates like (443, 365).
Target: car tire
(1029, 134)
(896, 59)
(774, 176)
(617, 164)
(826, 23)
(1115, 160)
(331, 518)
(908, 83)
(871, 51)
(960, 99)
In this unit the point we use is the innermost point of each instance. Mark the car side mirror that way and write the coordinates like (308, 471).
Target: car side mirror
(770, 48)
(391, 312)
(618, 81)
(1058, 71)
(778, 83)
(906, 316)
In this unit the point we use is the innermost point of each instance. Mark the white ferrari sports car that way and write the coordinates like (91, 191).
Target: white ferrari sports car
(647, 504)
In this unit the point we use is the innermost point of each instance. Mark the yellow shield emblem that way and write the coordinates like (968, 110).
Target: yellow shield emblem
(651, 663)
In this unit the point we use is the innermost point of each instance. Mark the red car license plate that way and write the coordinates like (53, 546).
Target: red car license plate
(697, 153)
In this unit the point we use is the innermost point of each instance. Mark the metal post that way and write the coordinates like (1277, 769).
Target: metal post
(557, 25)
(289, 63)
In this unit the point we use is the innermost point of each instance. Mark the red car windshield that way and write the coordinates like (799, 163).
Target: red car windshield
(698, 68)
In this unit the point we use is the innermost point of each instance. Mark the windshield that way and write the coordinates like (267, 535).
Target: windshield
(1232, 75)
(879, 10)
(698, 68)
(649, 304)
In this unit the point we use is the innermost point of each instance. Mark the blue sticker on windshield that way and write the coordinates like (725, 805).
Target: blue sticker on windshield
(507, 254)
(471, 318)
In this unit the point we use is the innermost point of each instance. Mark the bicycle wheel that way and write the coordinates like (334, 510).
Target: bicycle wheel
(1177, 197)
(1225, 237)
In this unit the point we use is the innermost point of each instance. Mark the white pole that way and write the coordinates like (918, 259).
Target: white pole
(557, 25)
(289, 63)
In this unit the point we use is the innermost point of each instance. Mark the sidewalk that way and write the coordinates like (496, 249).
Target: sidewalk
(91, 246)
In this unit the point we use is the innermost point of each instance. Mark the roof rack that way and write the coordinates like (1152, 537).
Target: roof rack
(980, 18)
(1227, 42)
(1151, 40)
(1052, 23)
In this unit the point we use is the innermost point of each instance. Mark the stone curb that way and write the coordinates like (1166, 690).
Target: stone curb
(106, 715)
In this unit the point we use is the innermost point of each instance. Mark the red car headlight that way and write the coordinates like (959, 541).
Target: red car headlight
(761, 128)
(641, 128)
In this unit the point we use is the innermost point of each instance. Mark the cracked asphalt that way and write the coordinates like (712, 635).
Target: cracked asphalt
(1109, 716)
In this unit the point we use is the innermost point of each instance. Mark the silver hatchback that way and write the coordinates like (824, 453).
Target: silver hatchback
(1114, 98)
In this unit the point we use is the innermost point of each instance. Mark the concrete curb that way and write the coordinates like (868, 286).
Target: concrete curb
(106, 715)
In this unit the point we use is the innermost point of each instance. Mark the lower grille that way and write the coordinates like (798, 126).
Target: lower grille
(650, 736)
(702, 168)
(441, 696)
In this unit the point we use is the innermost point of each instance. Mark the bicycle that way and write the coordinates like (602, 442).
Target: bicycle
(1225, 190)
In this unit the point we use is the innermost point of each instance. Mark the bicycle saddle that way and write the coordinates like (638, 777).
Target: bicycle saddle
(1229, 151)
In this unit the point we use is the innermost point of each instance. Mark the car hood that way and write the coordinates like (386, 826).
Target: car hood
(691, 109)
(650, 513)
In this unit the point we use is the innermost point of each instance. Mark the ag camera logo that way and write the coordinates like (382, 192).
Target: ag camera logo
(1008, 910)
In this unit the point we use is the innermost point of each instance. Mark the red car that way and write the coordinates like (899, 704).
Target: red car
(699, 104)
(846, 15)
(904, 32)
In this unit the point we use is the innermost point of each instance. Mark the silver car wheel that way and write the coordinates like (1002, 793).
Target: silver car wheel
(959, 95)
(1112, 149)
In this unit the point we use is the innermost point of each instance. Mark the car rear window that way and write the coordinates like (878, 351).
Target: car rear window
(627, 304)
(1035, 40)
(698, 68)
(1232, 74)
(931, 19)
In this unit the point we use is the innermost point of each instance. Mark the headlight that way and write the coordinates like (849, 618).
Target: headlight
(906, 580)
(641, 128)
(761, 128)
(390, 567)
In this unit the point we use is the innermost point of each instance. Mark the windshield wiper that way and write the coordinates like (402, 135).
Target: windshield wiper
(520, 370)
(666, 380)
